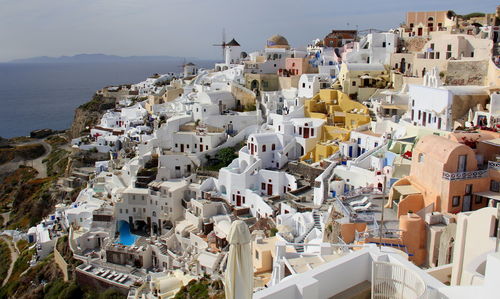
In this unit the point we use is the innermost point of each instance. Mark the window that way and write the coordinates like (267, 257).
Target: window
(462, 163)
(376, 144)
(383, 44)
(273, 147)
(419, 114)
(359, 140)
(456, 201)
(420, 158)
(495, 186)
(263, 148)
(303, 85)
(256, 254)
(353, 83)
(479, 199)
(263, 186)
(468, 189)
(133, 210)
(412, 113)
(448, 48)
(312, 132)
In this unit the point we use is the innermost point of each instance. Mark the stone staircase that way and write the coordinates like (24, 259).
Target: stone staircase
(317, 220)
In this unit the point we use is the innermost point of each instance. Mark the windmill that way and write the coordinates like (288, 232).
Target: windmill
(223, 44)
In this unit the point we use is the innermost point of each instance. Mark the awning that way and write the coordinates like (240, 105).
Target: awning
(406, 189)
(489, 194)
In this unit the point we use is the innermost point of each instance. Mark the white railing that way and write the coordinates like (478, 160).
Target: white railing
(467, 175)
(494, 165)
(396, 281)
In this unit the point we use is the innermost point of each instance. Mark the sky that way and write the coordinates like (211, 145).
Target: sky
(188, 28)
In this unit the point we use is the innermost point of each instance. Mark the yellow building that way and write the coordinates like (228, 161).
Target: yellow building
(341, 114)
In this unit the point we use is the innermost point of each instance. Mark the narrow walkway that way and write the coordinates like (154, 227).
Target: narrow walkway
(35, 163)
(13, 256)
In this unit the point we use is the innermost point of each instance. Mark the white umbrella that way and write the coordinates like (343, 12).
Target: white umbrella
(238, 279)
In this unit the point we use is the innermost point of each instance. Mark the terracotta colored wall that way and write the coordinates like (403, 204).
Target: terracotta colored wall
(414, 237)
(347, 231)
(412, 202)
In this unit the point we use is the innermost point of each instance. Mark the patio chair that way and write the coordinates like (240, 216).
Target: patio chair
(360, 202)
(363, 208)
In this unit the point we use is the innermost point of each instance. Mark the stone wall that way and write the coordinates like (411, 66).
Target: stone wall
(467, 73)
(61, 263)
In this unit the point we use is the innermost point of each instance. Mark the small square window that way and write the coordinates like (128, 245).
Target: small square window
(456, 201)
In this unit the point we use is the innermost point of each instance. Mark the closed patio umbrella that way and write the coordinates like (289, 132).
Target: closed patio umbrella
(238, 278)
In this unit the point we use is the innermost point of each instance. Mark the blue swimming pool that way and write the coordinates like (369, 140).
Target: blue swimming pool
(126, 237)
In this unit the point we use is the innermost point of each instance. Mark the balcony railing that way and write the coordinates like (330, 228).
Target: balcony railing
(467, 175)
(396, 281)
(493, 165)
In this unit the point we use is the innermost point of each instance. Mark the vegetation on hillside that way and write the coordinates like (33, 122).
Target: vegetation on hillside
(26, 152)
(201, 289)
(4, 260)
(56, 161)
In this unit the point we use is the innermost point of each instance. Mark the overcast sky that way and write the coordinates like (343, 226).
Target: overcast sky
(189, 27)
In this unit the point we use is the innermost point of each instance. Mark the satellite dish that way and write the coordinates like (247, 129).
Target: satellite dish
(243, 55)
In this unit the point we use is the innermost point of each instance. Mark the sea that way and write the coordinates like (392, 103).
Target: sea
(45, 95)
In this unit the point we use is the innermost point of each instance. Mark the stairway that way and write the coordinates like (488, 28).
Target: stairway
(317, 220)
(163, 249)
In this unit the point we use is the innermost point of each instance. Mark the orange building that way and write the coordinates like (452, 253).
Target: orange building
(446, 176)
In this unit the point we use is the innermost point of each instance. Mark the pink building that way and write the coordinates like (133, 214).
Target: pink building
(297, 67)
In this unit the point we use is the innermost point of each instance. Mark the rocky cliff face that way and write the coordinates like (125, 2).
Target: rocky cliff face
(83, 119)
(89, 114)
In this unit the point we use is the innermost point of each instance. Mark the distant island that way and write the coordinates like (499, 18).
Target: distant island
(81, 58)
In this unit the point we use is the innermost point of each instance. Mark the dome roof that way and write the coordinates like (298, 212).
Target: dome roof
(277, 41)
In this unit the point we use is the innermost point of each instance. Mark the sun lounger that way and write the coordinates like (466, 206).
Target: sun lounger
(360, 202)
(117, 278)
(105, 273)
(123, 279)
(363, 208)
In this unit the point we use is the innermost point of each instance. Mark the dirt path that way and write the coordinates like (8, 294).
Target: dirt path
(36, 163)
(6, 217)
(13, 256)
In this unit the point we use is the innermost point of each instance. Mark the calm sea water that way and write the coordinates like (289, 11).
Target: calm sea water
(45, 95)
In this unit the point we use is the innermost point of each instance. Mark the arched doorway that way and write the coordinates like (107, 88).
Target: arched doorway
(254, 85)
